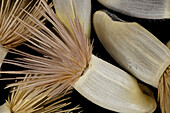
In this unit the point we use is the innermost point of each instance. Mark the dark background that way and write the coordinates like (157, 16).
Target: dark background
(160, 28)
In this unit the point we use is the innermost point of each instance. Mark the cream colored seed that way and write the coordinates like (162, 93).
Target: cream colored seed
(133, 47)
(138, 51)
(113, 89)
(82, 10)
(150, 9)
(3, 53)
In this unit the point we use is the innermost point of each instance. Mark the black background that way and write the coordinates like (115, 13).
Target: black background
(160, 28)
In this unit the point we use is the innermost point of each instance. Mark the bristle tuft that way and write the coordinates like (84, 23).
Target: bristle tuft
(9, 10)
(35, 100)
(66, 54)
(164, 91)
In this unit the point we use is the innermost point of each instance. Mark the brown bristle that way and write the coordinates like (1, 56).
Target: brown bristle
(9, 10)
(66, 54)
(164, 91)
(35, 100)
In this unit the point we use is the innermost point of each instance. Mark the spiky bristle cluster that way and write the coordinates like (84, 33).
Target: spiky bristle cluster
(164, 91)
(29, 100)
(65, 54)
(9, 10)
(34, 100)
